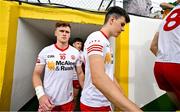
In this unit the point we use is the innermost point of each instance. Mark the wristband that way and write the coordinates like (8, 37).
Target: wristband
(39, 91)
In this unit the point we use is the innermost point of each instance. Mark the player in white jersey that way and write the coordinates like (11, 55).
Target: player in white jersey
(78, 44)
(100, 87)
(166, 47)
(59, 61)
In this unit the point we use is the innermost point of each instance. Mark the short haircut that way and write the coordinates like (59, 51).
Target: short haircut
(116, 12)
(77, 40)
(62, 24)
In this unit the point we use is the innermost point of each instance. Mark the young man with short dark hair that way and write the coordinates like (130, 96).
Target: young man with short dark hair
(59, 60)
(100, 87)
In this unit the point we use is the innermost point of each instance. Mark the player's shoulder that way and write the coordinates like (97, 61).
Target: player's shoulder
(73, 50)
(97, 35)
(48, 48)
(95, 38)
(94, 35)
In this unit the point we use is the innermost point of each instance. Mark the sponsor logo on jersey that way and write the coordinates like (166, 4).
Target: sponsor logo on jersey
(51, 65)
(64, 63)
(63, 68)
(50, 56)
(60, 65)
(108, 58)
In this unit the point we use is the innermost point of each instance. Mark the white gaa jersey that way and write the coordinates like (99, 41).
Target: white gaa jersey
(169, 38)
(59, 67)
(81, 58)
(96, 43)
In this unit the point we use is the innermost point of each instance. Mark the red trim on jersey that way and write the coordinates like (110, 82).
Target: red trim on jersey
(104, 34)
(94, 47)
(60, 48)
(94, 50)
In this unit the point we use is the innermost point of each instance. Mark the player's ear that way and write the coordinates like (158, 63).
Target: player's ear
(111, 19)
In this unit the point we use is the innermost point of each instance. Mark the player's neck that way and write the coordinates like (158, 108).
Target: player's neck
(62, 45)
(105, 32)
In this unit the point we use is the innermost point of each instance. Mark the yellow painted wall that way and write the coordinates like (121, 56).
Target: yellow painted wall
(8, 29)
(11, 11)
(62, 14)
(122, 59)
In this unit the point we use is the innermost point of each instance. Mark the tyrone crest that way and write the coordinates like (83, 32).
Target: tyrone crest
(72, 57)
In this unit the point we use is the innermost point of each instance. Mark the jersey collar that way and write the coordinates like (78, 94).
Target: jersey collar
(60, 48)
(104, 34)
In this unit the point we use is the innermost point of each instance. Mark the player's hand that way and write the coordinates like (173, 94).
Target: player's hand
(45, 103)
(40, 109)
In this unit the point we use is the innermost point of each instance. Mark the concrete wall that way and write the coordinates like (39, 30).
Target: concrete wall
(142, 85)
(29, 43)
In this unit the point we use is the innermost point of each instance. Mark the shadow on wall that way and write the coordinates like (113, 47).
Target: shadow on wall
(144, 77)
(32, 105)
(143, 87)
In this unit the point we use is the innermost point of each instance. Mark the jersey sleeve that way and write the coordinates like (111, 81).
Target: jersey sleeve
(95, 46)
(41, 57)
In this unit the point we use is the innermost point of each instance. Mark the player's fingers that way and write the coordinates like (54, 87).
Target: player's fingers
(40, 109)
(44, 107)
(49, 105)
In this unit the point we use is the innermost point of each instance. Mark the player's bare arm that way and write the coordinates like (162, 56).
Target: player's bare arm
(36, 78)
(154, 44)
(80, 75)
(115, 81)
(107, 86)
(44, 100)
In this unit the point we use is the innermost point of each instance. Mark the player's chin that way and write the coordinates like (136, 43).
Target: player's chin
(64, 41)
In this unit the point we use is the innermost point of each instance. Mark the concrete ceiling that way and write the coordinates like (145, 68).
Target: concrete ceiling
(47, 27)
